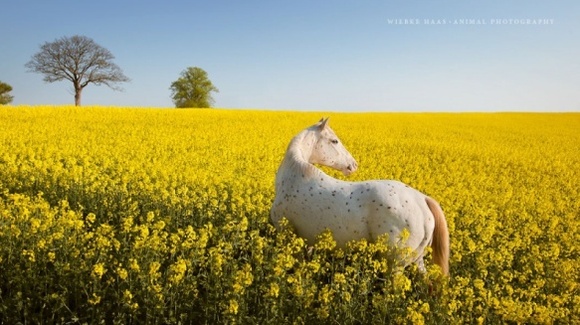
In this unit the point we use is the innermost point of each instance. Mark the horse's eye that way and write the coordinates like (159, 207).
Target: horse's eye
(334, 141)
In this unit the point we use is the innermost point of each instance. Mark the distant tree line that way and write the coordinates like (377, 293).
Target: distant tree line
(81, 61)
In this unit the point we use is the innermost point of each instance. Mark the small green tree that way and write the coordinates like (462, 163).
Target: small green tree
(192, 89)
(5, 97)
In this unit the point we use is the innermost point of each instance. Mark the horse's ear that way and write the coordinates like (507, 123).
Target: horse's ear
(322, 123)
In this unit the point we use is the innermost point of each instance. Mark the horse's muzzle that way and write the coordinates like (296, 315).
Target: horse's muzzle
(351, 168)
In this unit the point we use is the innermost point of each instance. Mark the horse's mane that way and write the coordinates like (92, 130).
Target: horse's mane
(295, 159)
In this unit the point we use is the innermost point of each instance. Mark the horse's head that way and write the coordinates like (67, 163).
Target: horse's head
(329, 151)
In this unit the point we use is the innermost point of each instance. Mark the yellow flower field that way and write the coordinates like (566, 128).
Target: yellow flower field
(151, 216)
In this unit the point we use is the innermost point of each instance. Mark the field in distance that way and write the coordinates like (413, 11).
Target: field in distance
(156, 215)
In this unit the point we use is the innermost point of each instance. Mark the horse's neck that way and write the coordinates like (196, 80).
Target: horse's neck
(295, 161)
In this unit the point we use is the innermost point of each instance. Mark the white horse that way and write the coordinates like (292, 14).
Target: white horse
(313, 201)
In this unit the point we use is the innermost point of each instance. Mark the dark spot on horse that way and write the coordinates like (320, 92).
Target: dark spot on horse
(389, 207)
(333, 194)
(382, 205)
(346, 203)
(379, 226)
(374, 200)
(360, 206)
(328, 208)
(348, 210)
(368, 189)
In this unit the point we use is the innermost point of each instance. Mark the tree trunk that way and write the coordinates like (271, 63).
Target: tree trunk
(78, 96)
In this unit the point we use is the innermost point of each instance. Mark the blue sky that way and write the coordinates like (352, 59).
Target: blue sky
(313, 55)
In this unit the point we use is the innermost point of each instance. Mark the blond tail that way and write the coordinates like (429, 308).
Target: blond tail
(440, 243)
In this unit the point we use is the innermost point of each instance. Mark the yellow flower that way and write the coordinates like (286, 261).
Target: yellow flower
(339, 278)
(159, 225)
(425, 308)
(404, 235)
(127, 224)
(326, 294)
(401, 282)
(34, 225)
(91, 217)
(29, 254)
(233, 307)
(243, 225)
(153, 269)
(325, 241)
(94, 299)
(122, 273)
(98, 270)
(128, 296)
(177, 271)
(134, 265)
(415, 317)
(217, 259)
(314, 266)
(274, 290)
(346, 296)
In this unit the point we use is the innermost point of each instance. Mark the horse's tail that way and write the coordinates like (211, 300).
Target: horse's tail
(440, 243)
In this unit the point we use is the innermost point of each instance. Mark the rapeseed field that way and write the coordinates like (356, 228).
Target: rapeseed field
(151, 216)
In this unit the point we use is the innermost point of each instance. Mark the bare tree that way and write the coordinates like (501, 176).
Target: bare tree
(77, 59)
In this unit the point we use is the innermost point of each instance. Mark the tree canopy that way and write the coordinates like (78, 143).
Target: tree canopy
(5, 97)
(77, 59)
(193, 89)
